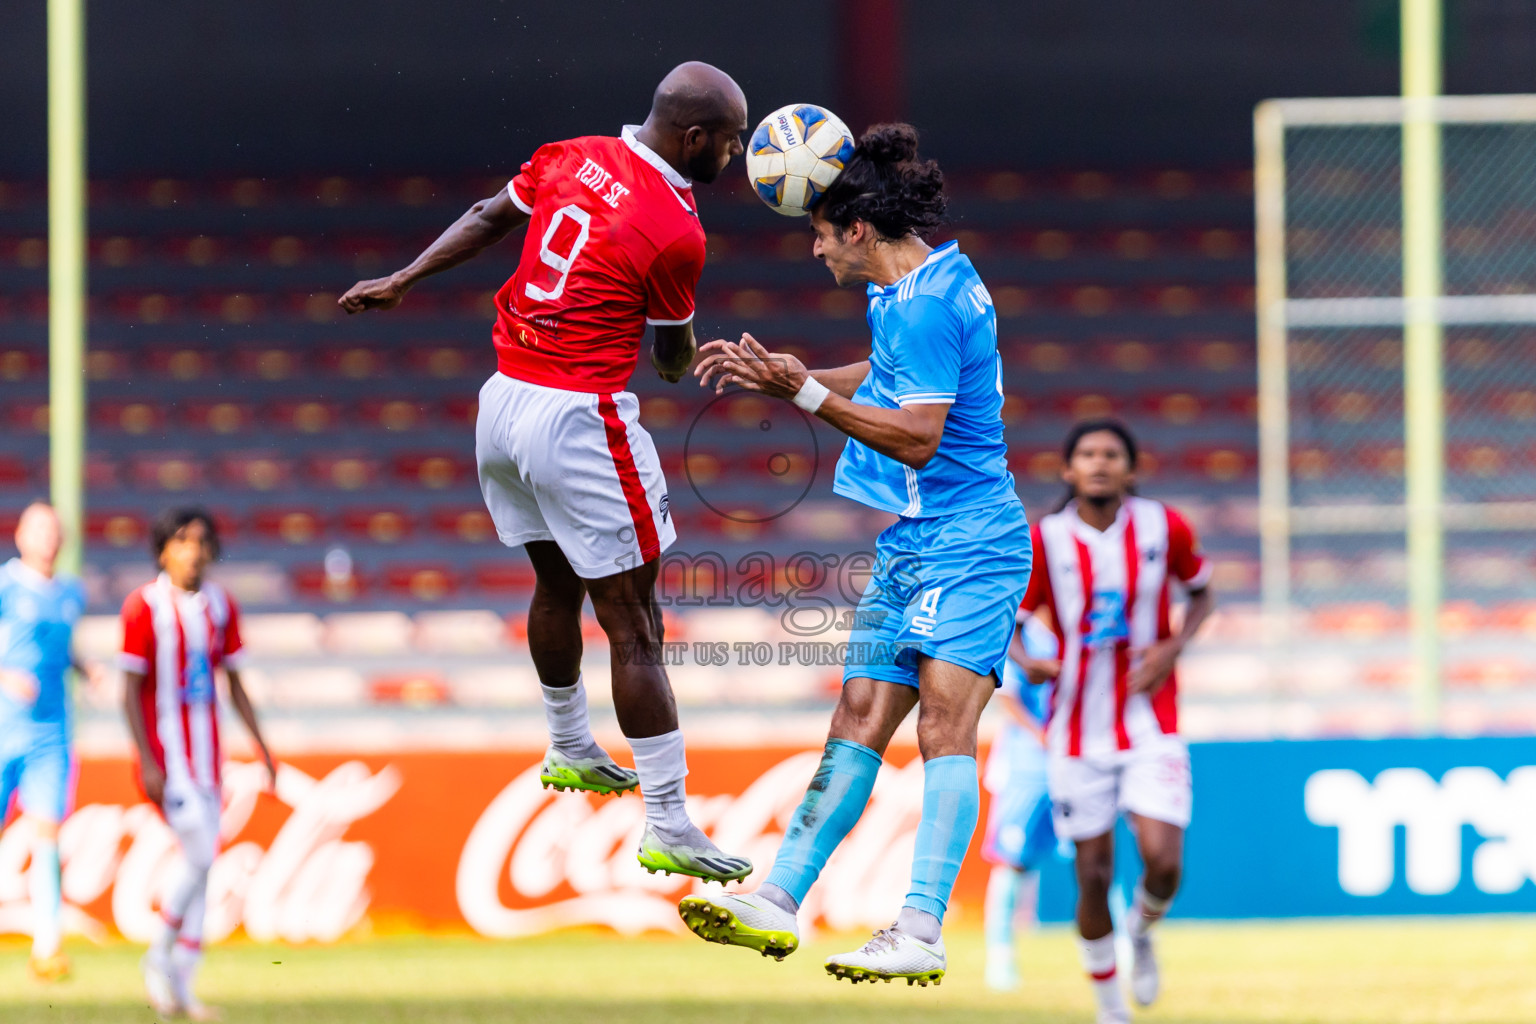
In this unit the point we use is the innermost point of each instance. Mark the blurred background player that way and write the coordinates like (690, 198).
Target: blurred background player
(178, 630)
(614, 243)
(38, 611)
(923, 417)
(1104, 566)
(1019, 836)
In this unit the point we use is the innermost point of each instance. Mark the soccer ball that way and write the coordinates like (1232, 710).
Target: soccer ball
(796, 152)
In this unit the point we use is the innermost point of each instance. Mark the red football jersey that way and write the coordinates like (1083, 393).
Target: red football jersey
(614, 243)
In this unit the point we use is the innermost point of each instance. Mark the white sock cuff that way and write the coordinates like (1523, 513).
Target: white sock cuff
(659, 759)
(1155, 905)
(561, 696)
(1098, 954)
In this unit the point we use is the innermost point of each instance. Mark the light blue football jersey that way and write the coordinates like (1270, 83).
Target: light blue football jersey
(37, 625)
(934, 342)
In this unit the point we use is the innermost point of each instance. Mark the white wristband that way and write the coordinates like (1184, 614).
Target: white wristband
(811, 394)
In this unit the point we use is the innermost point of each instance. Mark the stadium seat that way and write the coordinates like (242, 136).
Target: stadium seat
(219, 417)
(502, 578)
(166, 472)
(273, 364)
(421, 582)
(129, 417)
(18, 364)
(394, 414)
(289, 525)
(120, 529)
(14, 472)
(433, 470)
(355, 362)
(313, 583)
(27, 417)
(379, 525)
(471, 525)
(446, 362)
(257, 471)
(344, 472)
(416, 690)
(311, 416)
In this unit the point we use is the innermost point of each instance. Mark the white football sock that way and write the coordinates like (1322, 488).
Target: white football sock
(662, 764)
(1099, 961)
(43, 893)
(1146, 911)
(570, 730)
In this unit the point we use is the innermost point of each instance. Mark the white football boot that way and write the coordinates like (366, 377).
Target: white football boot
(158, 985)
(692, 854)
(889, 955)
(746, 920)
(598, 775)
(1145, 982)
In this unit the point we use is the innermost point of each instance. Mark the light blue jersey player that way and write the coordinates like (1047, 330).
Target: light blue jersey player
(924, 421)
(1019, 836)
(38, 611)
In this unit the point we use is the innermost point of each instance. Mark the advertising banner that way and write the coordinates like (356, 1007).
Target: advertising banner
(470, 841)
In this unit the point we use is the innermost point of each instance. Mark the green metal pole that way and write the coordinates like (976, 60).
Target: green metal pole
(1423, 344)
(66, 271)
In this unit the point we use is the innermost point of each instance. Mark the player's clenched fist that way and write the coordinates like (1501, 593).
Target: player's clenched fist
(380, 293)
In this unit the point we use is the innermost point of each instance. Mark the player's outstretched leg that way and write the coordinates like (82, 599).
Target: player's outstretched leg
(950, 701)
(574, 760)
(625, 605)
(913, 949)
(765, 920)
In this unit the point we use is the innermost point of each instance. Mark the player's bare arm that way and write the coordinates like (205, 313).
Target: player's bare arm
(910, 434)
(1036, 670)
(481, 226)
(151, 775)
(242, 702)
(1157, 661)
(673, 350)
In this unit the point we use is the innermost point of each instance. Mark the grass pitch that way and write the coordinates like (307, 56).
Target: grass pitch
(1457, 971)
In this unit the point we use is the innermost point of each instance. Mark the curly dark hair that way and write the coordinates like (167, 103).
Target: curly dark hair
(170, 522)
(886, 185)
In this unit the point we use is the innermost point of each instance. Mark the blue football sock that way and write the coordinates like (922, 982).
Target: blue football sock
(832, 805)
(951, 803)
(1002, 905)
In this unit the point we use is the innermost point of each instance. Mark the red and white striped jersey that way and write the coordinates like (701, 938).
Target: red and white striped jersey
(177, 638)
(1108, 595)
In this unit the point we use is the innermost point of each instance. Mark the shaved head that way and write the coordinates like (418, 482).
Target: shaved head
(39, 536)
(696, 116)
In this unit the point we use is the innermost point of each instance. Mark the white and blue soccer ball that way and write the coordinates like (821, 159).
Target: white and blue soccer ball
(795, 153)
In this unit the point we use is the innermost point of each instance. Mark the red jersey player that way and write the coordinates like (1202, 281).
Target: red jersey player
(1103, 568)
(177, 631)
(613, 244)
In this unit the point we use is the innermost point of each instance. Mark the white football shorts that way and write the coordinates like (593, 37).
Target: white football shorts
(1088, 794)
(575, 468)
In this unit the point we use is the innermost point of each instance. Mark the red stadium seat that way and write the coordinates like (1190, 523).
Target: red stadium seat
(434, 470)
(181, 363)
(105, 364)
(28, 417)
(314, 583)
(470, 525)
(394, 414)
(1220, 463)
(13, 472)
(129, 417)
(380, 525)
(421, 582)
(310, 416)
(446, 362)
(462, 410)
(345, 472)
(167, 472)
(503, 578)
(117, 529)
(272, 363)
(289, 525)
(257, 471)
(417, 690)
(20, 363)
(355, 362)
(219, 417)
